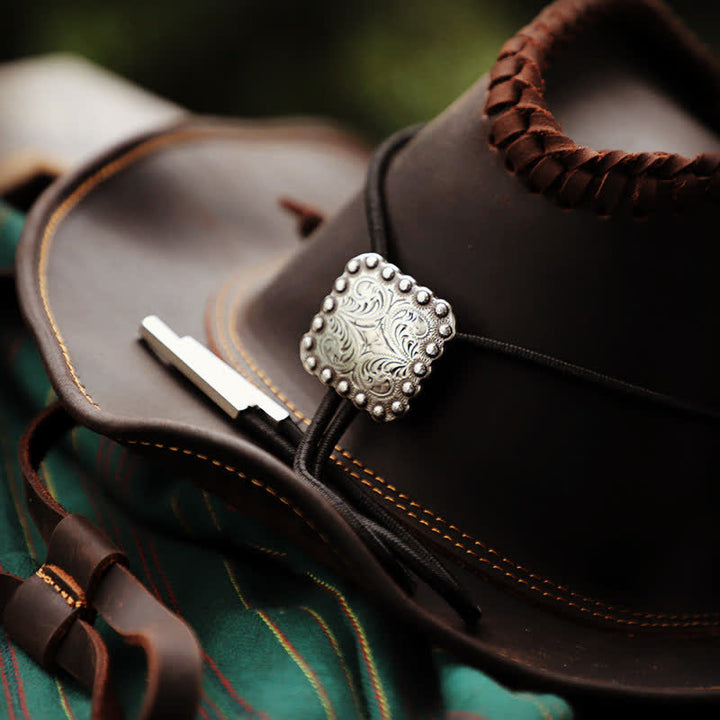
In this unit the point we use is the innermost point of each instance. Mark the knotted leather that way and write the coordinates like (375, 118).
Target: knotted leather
(50, 614)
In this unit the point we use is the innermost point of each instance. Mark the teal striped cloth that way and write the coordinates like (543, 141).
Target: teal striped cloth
(282, 636)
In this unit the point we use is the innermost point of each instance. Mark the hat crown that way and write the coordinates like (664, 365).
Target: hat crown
(575, 484)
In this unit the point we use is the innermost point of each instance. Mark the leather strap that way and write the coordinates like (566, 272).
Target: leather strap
(50, 614)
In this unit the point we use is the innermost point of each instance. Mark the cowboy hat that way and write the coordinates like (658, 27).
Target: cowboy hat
(559, 458)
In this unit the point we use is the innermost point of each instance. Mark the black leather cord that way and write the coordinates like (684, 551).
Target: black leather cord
(382, 241)
(392, 543)
(336, 428)
(375, 206)
(305, 456)
(608, 382)
(400, 552)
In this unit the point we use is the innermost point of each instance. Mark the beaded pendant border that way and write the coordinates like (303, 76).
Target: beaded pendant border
(376, 336)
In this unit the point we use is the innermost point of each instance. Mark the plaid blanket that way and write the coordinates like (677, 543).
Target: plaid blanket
(282, 637)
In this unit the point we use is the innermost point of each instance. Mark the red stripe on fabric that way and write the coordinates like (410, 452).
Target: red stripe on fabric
(105, 448)
(213, 707)
(173, 599)
(154, 588)
(6, 682)
(3, 673)
(163, 576)
(143, 560)
(89, 490)
(103, 466)
(305, 668)
(19, 681)
(338, 653)
(366, 657)
(66, 705)
(231, 690)
(13, 656)
(369, 664)
(103, 458)
(176, 607)
(134, 533)
(18, 677)
(156, 591)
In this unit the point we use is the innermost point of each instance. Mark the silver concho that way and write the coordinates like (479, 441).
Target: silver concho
(376, 336)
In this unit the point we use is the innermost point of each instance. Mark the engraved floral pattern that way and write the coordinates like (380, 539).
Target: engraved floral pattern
(372, 337)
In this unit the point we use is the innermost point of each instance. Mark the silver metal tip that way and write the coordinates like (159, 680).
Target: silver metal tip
(159, 337)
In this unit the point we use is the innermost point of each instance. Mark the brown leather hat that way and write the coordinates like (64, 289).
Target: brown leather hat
(561, 458)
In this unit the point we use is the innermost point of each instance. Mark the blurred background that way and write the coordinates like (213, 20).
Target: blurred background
(375, 65)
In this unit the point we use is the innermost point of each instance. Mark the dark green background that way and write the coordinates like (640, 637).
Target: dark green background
(375, 64)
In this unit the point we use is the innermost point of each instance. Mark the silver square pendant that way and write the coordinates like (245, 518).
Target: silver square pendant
(376, 336)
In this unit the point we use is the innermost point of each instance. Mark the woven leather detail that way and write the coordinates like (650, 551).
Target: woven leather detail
(524, 130)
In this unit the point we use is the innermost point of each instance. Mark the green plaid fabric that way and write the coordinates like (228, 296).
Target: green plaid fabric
(282, 637)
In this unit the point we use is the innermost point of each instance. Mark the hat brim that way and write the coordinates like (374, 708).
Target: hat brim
(184, 224)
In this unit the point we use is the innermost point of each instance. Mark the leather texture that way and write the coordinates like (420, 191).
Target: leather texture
(50, 614)
(583, 521)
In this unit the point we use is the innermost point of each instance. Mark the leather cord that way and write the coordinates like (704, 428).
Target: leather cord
(400, 552)
(375, 207)
(382, 241)
(50, 614)
(524, 130)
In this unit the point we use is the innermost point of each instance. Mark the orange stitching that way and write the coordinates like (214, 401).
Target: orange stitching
(105, 172)
(222, 323)
(507, 561)
(236, 341)
(71, 202)
(77, 603)
(240, 474)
